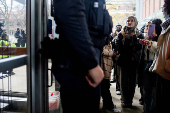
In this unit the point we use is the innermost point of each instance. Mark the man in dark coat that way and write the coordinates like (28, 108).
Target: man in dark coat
(4, 35)
(78, 71)
(23, 38)
(18, 36)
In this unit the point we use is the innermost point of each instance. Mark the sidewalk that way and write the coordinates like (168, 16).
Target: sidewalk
(137, 108)
(19, 83)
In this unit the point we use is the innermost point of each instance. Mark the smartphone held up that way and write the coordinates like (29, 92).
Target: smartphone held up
(151, 29)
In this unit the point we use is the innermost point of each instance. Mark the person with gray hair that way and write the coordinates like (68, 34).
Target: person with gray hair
(128, 48)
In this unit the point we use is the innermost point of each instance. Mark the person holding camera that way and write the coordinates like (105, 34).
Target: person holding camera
(128, 47)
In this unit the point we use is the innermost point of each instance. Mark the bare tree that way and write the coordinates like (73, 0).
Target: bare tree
(118, 15)
(5, 11)
(19, 16)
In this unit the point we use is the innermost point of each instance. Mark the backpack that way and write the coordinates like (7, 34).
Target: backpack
(99, 21)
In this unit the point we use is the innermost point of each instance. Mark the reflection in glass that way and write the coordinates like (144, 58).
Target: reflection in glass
(12, 28)
(13, 90)
(13, 82)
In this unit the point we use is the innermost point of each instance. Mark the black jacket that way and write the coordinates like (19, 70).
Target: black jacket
(17, 34)
(4, 36)
(23, 35)
(77, 50)
(128, 49)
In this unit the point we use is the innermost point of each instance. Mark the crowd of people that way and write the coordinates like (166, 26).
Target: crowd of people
(19, 38)
(87, 58)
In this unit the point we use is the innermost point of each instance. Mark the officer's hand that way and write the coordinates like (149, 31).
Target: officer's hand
(95, 76)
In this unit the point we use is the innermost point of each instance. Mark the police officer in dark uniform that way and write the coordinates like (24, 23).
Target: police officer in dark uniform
(1, 25)
(4, 35)
(23, 38)
(18, 36)
(79, 73)
(4, 39)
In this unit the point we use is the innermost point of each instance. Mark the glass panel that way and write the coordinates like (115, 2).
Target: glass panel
(13, 82)
(54, 94)
(54, 90)
(13, 90)
(12, 28)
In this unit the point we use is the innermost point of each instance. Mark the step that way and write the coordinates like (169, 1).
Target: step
(15, 102)
(3, 105)
(3, 76)
(13, 94)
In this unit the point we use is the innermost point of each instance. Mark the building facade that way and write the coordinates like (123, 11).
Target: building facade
(120, 10)
(148, 9)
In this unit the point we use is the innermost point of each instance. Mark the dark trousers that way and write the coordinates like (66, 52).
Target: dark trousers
(98, 51)
(106, 95)
(77, 96)
(127, 83)
(19, 43)
(23, 42)
(162, 95)
(117, 75)
(149, 93)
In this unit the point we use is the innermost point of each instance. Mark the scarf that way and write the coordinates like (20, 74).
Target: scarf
(166, 24)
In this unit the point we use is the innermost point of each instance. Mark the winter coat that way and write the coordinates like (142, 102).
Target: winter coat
(107, 61)
(17, 34)
(161, 63)
(4, 36)
(128, 49)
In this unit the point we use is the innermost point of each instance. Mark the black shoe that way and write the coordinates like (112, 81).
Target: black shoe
(126, 105)
(113, 81)
(12, 73)
(141, 101)
(113, 110)
(4, 73)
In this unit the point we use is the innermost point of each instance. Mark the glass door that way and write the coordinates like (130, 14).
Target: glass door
(54, 86)
(13, 56)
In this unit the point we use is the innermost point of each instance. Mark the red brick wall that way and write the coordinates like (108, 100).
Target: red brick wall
(144, 8)
(162, 2)
(157, 5)
(150, 7)
(122, 8)
(147, 8)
